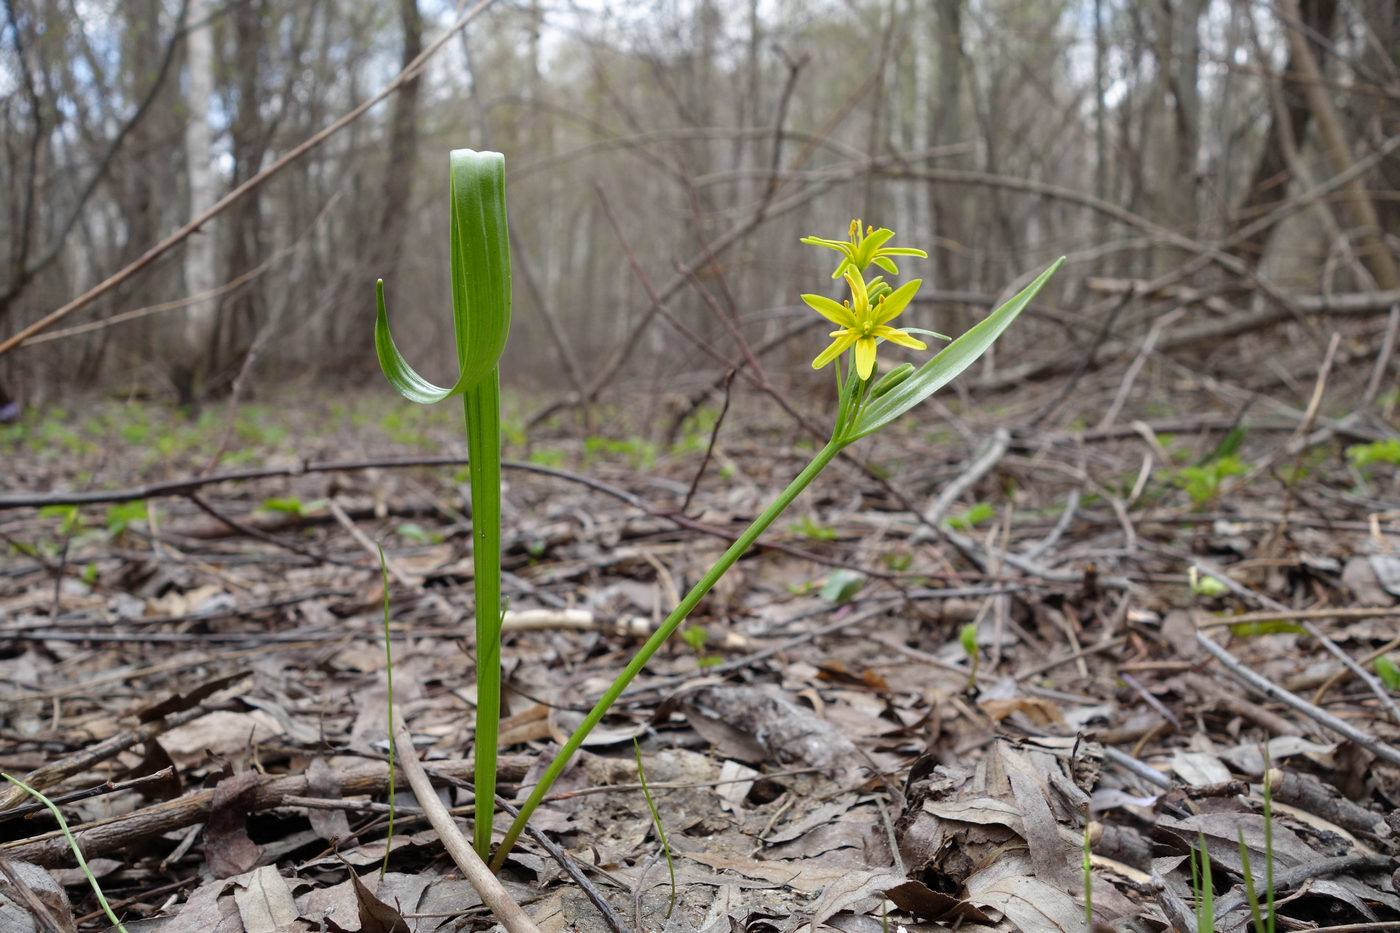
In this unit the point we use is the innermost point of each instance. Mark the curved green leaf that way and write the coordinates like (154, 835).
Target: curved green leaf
(481, 296)
(940, 370)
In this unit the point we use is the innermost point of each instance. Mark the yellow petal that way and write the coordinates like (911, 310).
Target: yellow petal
(896, 301)
(833, 312)
(837, 347)
(865, 356)
(900, 337)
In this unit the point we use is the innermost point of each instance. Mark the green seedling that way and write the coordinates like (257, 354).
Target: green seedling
(121, 515)
(1202, 886)
(73, 845)
(1386, 451)
(696, 637)
(481, 319)
(70, 518)
(1387, 671)
(656, 822)
(1268, 627)
(291, 505)
(968, 639)
(1203, 483)
(972, 517)
(842, 586)
(813, 531)
(897, 561)
(416, 532)
(1203, 584)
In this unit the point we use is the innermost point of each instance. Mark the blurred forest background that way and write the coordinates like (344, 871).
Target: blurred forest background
(1234, 162)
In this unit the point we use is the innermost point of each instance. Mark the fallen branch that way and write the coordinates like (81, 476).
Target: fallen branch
(493, 893)
(1268, 688)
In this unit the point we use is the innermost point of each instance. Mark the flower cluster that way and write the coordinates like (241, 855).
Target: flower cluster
(863, 319)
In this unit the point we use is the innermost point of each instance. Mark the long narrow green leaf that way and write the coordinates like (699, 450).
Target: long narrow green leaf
(480, 282)
(954, 358)
(480, 253)
(482, 407)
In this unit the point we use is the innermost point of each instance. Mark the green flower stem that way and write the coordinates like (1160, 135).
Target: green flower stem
(658, 638)
(482, 409)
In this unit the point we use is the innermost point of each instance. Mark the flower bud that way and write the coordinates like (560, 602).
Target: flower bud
(891, 379)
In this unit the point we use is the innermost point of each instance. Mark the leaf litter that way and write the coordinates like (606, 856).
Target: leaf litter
(208, 705)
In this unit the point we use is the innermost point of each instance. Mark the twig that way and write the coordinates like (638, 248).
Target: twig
(1373, 385)
(989, 457)
(120, 834)
(1268, 688)
(1346, 865)
(245, 529)
(1141, 768)
(55, 771)
(1361, 674)
(710, 447)
(1061, 526)
(368, 546)
(1130, 376)
(493, 893)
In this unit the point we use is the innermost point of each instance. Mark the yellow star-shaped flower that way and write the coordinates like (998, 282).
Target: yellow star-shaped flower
(862, 324)
(865, 247)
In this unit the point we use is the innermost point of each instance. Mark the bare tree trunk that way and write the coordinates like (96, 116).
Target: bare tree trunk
(945, 127)
(1373, 249)
(403, 144)
(1185, 72)
(1269, 182)
(243, 312)
(201, 258)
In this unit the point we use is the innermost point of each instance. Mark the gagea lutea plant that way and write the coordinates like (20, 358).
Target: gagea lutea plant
(866, 401)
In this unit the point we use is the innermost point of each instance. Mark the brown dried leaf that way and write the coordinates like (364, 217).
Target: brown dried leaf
(30, 899)
(228, 849)
(265, 903)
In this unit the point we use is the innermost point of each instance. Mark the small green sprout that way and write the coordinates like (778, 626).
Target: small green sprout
(974, 516)
(1203, 483)
(1388, 672)
(968, 639)
(841, 586)
(73, 845)
(1386, 451)
(121, 515)
(1203, 584)
(813, 531)
(656, 822)
(696, 637)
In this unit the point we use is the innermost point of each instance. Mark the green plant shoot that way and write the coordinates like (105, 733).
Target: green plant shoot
(480, 250)
(389, 691)
(968, 639)
(656, 822)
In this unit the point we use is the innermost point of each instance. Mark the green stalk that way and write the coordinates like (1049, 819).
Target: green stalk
(73, 845)
(389, 688)
(482, 408)
(658, 638)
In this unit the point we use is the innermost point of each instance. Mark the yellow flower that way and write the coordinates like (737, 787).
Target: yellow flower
(862, 324)
(864, 248)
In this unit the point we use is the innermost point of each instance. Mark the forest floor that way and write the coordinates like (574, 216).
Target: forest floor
(193, 659)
